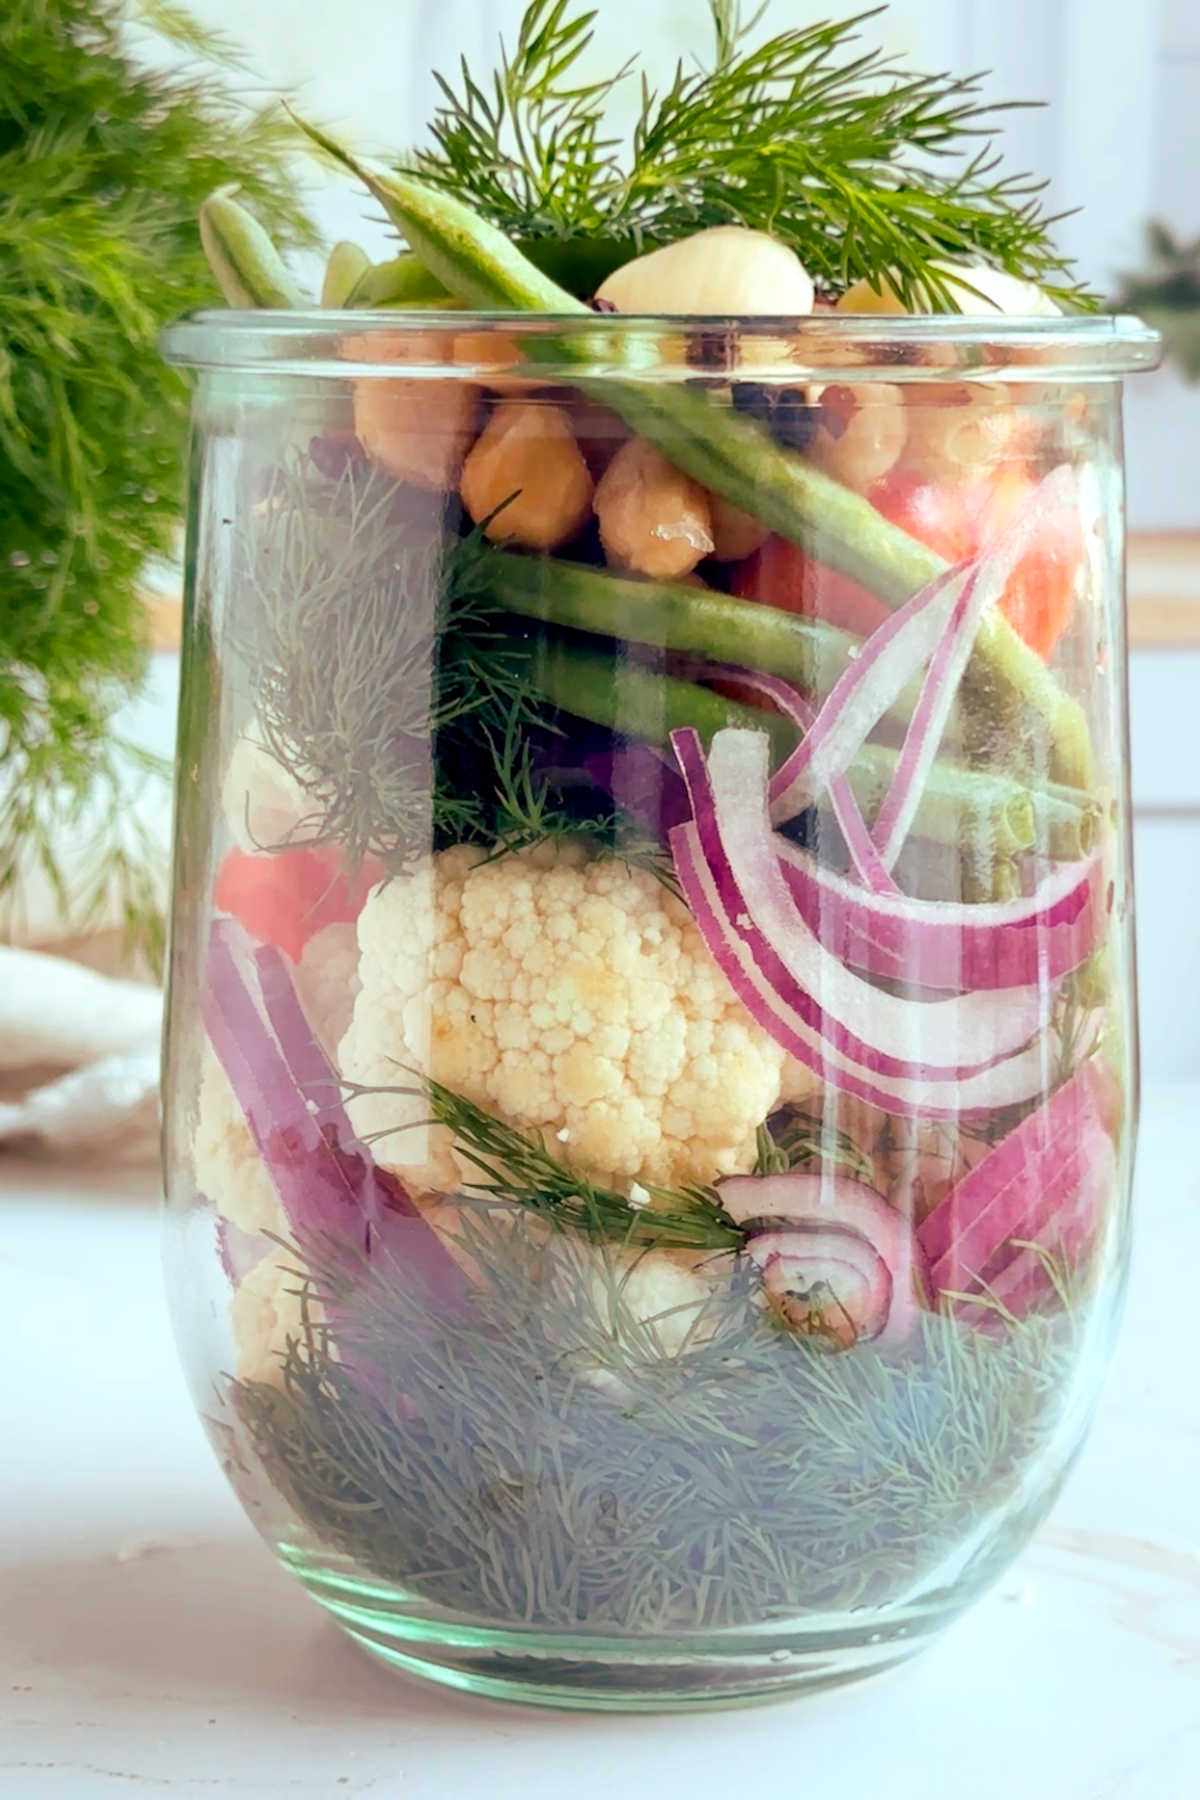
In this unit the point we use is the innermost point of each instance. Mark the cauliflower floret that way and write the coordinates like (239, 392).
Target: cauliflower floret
(262, 802)
(266, 1311)
(225, 1160)
(567, 993)
(326, 980)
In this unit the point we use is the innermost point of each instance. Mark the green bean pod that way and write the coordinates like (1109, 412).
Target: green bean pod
(347, 264)
(984, 816)
(672, 616)
(736, 458)
(245, 263)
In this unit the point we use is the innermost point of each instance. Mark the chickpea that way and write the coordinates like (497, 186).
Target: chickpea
(654, 520)
(415, 429)
(859, 433)
(527, 463)
(958, 428)
(735, 533)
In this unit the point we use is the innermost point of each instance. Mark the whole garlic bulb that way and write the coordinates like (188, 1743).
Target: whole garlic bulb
(977, 289)
(727, 271)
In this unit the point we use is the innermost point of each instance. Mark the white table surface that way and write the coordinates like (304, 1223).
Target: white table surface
(149, 1643)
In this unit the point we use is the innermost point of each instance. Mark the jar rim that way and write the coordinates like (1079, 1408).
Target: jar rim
(320, 343)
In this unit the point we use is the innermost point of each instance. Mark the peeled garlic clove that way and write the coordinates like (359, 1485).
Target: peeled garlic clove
(654, 520)
(728, 271)
(977, 291)
(527, 463)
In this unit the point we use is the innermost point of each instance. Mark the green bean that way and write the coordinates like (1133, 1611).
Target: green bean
(577, 264)
(671, 616)
(402, 281)
(736, 458)
(959, 807)
(248, 268)
(347, 264)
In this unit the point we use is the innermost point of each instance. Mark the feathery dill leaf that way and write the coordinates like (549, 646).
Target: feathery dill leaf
(857, 162)
(553, 1464)
(514, 1168)
(390, 682)
(103, 165)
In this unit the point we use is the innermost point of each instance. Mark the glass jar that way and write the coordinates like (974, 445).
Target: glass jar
(651, 1080)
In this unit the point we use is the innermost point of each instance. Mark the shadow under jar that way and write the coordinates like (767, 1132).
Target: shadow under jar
(651, 1084)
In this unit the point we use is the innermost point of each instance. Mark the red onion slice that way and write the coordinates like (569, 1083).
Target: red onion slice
(888, 660)
(866, 858)
(840, 1213)
(946, 945)
(1056, 1165)
(934, 1040)
(828, 1284)
(762, 984)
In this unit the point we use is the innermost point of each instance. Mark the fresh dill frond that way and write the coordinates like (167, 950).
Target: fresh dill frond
(552, 1464)
(860, 164)
(514, 1168)
(389, 681)
(103, 165)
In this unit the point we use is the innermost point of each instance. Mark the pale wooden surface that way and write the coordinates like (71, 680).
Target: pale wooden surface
(1164, 588)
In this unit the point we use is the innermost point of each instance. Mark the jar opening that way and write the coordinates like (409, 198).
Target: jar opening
(426, 345)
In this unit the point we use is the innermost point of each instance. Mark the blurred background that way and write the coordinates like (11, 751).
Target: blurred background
(1118, 139)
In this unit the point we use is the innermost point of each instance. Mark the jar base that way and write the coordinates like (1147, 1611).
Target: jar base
(593, 1673)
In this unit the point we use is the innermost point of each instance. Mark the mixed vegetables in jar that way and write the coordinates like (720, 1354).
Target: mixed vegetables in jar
(661, 1077)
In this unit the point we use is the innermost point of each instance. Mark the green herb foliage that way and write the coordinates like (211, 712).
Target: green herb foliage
(550, 1464)
(514, 1168)
(857, 162)
(103, 166)
(389, 682)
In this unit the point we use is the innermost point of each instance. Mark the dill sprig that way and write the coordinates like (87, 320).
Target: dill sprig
(389, 681)
(553, 1465)
(860, 164)
(514, 1168)
(103, 164)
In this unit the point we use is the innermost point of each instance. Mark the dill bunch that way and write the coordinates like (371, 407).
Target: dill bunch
(103, 165)
(389, 682)
(553, 1465)
(858, 163)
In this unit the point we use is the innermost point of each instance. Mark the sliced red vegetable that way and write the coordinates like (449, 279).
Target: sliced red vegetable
(960, 520)
(1054, 1168)
(853, 827)
(284, 897)
(935, 1039)
(826, 1283)
(988, 580)
(950, 946)
(889, 659)
(328, 1183)
(762, 984)
(782, 575)
(777, 1209)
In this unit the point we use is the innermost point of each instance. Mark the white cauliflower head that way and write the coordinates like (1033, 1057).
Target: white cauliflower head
(226, 1165)
(326, 979)
(267, 1311)
(566, 992)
